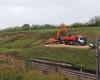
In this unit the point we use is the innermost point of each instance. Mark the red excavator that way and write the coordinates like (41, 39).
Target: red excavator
(62, 37)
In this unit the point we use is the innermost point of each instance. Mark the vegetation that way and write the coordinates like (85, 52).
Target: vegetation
(93, 22)
(12, 68)
(28, 41)
(27, 27)
(30, 44)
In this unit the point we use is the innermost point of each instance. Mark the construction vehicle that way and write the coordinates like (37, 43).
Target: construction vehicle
(62, 37)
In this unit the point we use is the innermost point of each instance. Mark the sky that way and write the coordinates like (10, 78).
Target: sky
(19, 12)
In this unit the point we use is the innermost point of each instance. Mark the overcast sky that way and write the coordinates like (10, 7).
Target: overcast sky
(18, 12)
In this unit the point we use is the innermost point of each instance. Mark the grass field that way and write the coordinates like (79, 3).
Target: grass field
(30, 44)
(15, 69)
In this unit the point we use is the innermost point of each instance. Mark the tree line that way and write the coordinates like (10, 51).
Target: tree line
(26, 27)
(93, 22)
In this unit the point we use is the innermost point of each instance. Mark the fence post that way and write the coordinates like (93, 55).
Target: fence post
(97, 58)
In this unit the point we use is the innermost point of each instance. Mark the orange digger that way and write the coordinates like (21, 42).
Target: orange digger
(62, 37)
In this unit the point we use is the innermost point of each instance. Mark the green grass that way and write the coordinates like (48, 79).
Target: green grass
(18, 44)
(30, 44)
(5, 50)
(10, 72)
(15, 69)
(78, 57)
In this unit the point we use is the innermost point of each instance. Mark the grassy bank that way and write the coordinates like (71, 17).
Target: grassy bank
(12, 68)
(30, 44)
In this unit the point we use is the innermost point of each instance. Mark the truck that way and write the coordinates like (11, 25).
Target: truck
(62, 37)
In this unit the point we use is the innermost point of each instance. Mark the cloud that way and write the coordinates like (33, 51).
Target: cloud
(18, 12)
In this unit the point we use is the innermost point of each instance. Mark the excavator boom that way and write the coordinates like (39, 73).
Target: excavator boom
(63, 29)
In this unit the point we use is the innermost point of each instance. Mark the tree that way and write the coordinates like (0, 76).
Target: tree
(95, 21)
(25, 27)
(77, 25)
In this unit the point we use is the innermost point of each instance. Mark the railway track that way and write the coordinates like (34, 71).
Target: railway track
(65, 68)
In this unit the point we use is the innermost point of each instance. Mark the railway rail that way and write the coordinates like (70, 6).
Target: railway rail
(65, 68)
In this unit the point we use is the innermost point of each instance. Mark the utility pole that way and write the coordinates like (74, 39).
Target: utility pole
(97, 58)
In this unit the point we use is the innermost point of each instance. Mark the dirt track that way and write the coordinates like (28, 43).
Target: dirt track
(70, 46)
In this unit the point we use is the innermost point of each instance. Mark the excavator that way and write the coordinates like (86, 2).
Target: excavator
(62, 37)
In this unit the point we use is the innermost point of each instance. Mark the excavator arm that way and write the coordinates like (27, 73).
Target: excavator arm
(60, 33)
